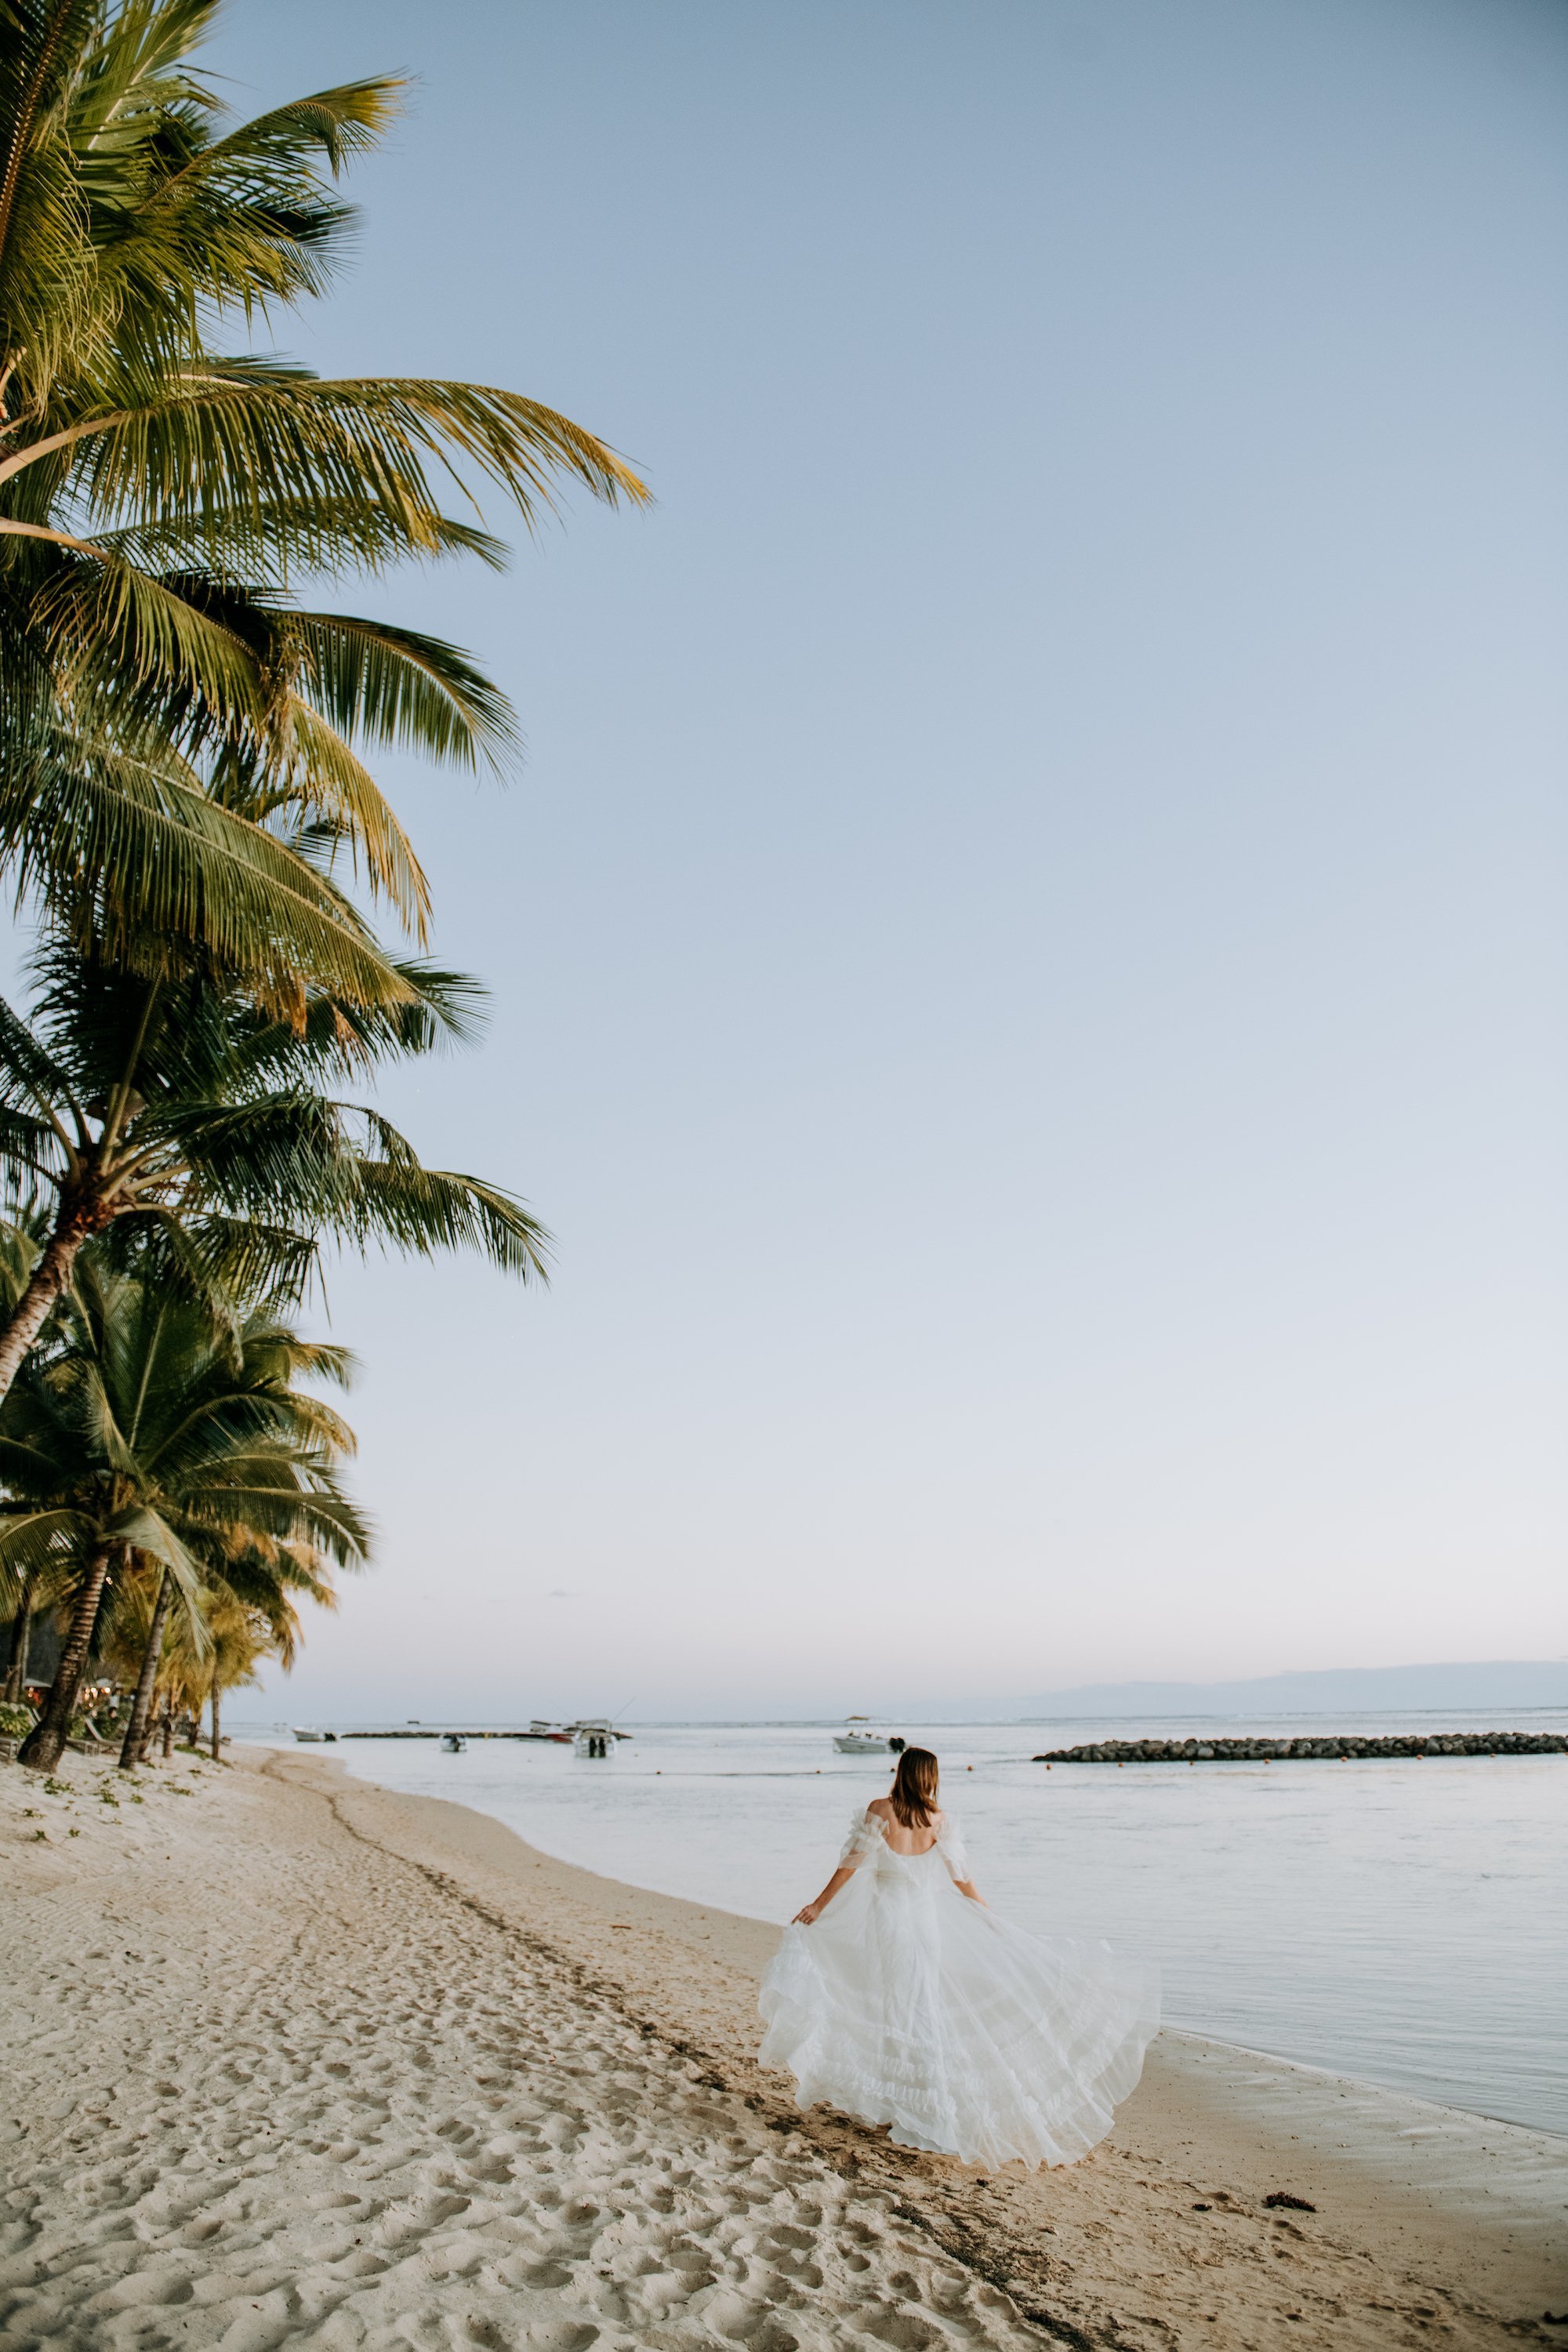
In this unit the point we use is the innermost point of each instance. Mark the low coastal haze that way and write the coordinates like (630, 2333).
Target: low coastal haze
(1027, 953)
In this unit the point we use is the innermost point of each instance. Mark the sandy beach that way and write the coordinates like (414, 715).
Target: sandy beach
(290, 2060)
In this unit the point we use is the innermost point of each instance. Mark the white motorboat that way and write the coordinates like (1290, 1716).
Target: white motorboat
(594, 1736)
(453, 1743)
(867, 1743)
(301, 1732)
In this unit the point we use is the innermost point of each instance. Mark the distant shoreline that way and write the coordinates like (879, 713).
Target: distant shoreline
(491, 1727)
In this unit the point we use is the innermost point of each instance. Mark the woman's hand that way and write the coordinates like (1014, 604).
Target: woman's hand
(804, 1918)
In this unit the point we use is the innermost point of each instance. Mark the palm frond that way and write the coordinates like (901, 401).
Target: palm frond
(317, 764)
(141, 864)
(48, 281)
(397, 1204)
(400, 689)
(39, 1544)
(147, 1531)
(221, 1262)
(242, 437)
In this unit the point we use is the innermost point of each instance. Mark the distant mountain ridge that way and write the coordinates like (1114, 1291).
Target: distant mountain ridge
(1331, 1690)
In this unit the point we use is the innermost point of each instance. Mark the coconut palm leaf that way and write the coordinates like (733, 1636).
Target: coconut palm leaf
(398, 688)
(398, 1204)
(241, 435)
(47, 279)
(144, 864)
(41, 1547)
(146, 1531)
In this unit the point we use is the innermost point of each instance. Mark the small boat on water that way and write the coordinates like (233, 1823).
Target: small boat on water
(453, 1743)
(309, 1735)
(851, 1742)
(539, 1729)
(593, 1738)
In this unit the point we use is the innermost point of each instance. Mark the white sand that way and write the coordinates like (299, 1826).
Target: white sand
(290, 2060)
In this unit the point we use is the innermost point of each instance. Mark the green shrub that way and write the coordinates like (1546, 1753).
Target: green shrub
(16, 1722)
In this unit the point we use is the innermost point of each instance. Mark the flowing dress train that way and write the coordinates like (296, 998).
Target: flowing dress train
(907, 2004)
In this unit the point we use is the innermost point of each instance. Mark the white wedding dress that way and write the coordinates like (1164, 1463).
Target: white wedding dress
(905, 2003)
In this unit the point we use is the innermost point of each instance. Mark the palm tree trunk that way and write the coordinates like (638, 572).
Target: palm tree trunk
(82, 1211)
(168, 1731)
(138, 1731)
(43, 1744)
(49, 1278)
(21, 1643)
(217, 1700)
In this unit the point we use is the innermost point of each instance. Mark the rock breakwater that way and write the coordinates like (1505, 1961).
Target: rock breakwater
(1312, 1747)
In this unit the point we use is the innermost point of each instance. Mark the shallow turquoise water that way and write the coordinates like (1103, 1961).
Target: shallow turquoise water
(1405, 1923)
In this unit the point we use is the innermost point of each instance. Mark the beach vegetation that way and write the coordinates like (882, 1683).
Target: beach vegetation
(239, 1634)
(180, 1114)
(181, 739)
(188, 726)
(153, 1443)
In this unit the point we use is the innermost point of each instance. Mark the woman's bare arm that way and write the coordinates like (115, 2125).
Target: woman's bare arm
(844, 1872)
(965, 1886)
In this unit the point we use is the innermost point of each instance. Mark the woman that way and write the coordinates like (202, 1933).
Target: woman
(898, 1997)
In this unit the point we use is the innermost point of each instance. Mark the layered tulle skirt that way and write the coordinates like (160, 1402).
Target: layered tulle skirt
(906, 2004)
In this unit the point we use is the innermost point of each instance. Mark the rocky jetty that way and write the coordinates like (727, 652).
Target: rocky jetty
(1335, 1746)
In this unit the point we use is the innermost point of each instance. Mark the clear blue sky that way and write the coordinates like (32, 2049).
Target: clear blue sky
(1028, 954)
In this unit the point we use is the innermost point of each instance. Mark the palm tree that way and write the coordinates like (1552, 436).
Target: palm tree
(33, 1593)
(21, 1643)
(236, 1637)
(158, 1641)
(177, 735)
(182, 1113)
(254, 1574)
(240, 1640)
(151, 1438)
(132, 1641)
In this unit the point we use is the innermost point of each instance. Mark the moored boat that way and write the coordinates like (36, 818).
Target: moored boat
(453, 1743)
(594, 1738)
(867, 1743)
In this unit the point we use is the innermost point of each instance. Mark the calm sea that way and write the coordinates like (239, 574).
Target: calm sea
(1405, 1923)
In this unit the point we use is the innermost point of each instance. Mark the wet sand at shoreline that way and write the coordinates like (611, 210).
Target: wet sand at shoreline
(289, 2059)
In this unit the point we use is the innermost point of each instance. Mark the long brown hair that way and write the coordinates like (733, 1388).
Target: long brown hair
(914, 1788)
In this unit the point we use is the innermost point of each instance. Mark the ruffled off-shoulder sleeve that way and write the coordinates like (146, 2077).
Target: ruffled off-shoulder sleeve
(951, 1846)
(865, 1836)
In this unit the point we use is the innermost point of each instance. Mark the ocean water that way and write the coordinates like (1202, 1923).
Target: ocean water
(1405, 1923)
